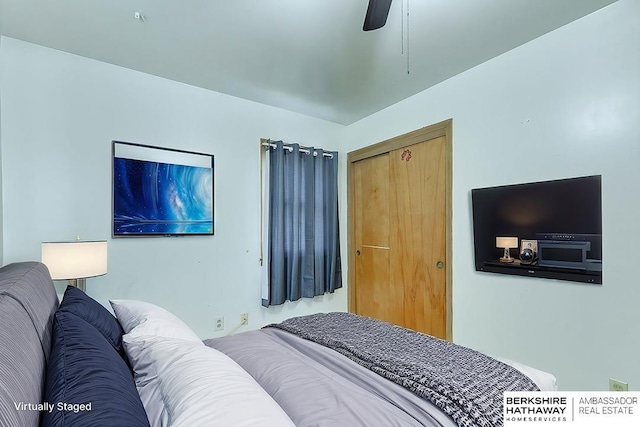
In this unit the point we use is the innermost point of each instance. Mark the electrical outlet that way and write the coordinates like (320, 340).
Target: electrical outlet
(615, 385)
(219, 323)
(244, 319)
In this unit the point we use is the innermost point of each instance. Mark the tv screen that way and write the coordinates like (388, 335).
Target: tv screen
(558, 215)
(161, 192)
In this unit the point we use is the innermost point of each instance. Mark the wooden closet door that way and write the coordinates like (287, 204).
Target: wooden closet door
(376, 295)
(399, 236)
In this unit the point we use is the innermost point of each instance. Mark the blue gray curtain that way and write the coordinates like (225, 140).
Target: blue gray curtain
(303, 233)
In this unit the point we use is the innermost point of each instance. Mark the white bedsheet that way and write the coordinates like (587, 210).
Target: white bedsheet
(544, 380)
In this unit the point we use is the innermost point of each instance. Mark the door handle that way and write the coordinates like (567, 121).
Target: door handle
(358, 253)
(440, 264)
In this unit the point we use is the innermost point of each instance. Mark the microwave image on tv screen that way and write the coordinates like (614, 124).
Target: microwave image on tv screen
(160, 198)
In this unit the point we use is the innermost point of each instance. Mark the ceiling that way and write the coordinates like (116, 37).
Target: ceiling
(307, 56)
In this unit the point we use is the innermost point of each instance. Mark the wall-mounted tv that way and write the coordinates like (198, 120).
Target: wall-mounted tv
(561, 220)
(161, 192)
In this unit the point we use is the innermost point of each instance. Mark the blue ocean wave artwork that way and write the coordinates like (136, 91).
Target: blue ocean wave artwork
(160, 198)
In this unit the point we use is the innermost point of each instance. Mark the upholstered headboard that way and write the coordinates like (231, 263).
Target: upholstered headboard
(28, 302)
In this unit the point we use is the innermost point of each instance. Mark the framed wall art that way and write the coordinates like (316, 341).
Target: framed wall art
(161, 191)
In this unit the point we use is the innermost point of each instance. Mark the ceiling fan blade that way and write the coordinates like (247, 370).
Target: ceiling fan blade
(377, 13)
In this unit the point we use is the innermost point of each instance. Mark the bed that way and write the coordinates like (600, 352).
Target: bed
(75, 364)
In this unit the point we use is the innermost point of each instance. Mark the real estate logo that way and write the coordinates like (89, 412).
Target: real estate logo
(575, 408)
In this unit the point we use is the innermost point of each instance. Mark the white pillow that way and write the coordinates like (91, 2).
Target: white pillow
(145, 375)
(143, 318)
(198, 385)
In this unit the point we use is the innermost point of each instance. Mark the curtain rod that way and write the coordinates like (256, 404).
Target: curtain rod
(302, 150)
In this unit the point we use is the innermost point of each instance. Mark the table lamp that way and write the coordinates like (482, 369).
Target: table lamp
(506, 243)
(75, 261)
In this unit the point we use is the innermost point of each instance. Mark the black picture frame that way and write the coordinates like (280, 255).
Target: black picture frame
(162, 192)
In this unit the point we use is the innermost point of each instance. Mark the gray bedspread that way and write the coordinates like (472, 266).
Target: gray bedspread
(318, 387)
(464, 383)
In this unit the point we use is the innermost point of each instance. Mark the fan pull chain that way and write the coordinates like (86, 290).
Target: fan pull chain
(408, 63)
(402, 28)
(405, 36)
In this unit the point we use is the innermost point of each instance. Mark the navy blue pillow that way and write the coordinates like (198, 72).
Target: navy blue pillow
(88, 383)
(82, 305)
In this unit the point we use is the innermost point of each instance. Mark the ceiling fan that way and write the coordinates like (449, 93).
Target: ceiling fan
(377, 13)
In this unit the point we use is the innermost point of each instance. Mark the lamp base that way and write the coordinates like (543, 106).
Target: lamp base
(79, 283)
(506, 256)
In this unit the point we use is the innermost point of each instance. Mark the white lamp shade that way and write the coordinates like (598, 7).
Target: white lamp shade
(506, 242)
(75, 260)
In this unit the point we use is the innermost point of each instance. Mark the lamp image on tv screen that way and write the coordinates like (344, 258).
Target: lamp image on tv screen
(161, 192)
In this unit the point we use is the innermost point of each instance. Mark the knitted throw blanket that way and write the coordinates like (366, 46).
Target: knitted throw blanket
(465, 384)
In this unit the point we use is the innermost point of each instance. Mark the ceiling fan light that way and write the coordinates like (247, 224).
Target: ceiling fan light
(377, 13)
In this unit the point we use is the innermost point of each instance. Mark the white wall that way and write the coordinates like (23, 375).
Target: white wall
(564, 105)
(60, 113)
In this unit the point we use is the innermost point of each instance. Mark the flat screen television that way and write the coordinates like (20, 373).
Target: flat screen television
(562, 218)
(161, 192)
